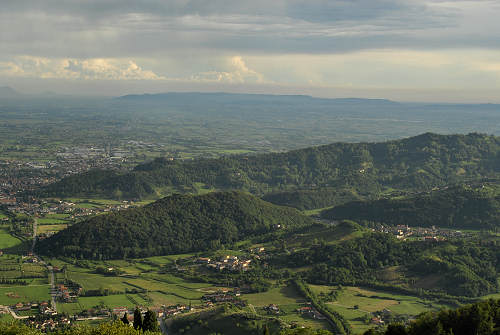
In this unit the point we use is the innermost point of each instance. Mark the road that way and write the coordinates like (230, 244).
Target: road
(17, 317)
(49, 268)
(163, 326)
(52, 288)
(35, 225)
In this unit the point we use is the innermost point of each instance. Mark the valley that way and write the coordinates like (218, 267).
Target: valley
(342, 237)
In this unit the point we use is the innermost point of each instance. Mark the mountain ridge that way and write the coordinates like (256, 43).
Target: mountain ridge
(421, 163)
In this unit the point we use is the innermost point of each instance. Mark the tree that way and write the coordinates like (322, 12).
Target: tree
(371, 331)
(266, 330)
(396, 329)
(150, 322)
(125, 318)
(137, 319)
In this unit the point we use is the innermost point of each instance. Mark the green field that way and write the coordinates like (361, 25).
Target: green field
(6, 239)
(111, 301)
(288, 301)
(41, 229)
(356, 303)
(57, 216)
(51, 221)
(15, 294)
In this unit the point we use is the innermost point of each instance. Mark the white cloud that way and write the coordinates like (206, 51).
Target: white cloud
(236, 72)
(67, 68)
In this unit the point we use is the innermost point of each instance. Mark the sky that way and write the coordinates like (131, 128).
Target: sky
(405, 50)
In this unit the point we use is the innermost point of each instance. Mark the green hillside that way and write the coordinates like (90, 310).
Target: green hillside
(313, 198)
(176, 224)
(379, 260)
(481, 318)
(473, 207)
(417, 163)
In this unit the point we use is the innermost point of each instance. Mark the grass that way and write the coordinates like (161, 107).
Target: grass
(355, 303)
(57, 216)
(51, 221)
(97, 202)
(284, 295)
(41, 229)
(111, 301)
(15, 294)
(92, 281)
(356, 318)
(316, 211)
(6, 239)
(288, 300)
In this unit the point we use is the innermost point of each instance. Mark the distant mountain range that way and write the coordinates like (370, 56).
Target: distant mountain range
(8, 92)
(223, 97)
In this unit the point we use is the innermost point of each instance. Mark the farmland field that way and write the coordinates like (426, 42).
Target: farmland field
(356, 304)
(50, 228)
(111, 301)
(6, 239)
(12, 295)
(50, 221)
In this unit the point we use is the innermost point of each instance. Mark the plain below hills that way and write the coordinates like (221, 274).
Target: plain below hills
(173, 225)
(357, 169)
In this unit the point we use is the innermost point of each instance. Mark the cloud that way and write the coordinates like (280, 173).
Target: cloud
(88, 69)
(410, 44)
(237, 72)
(130, 28)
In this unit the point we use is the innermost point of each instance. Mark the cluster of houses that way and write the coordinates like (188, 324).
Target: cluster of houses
(311, 312)
(272, 309)
(432, 234)
(49, 324)
(223, 296)
(43, 308)
(70, 208)
(168, 311)
(15, 176)
(67, 294)
(385, 316)
(230, 263)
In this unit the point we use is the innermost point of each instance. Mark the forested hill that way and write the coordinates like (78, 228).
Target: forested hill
(417, 163)
(173, 225)
(473, 207)
(481, 318)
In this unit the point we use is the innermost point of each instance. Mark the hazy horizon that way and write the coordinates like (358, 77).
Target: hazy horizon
(402, 50)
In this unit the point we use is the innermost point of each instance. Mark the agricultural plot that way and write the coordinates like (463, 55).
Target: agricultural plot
(154, 289)
(47, 228)
(6, 239)
(110, 301)
(288, 300)
(15, 294)
(51, 221)
(357, 304)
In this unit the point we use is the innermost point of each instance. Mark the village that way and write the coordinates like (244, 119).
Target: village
(230, 263)
(431, 234)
